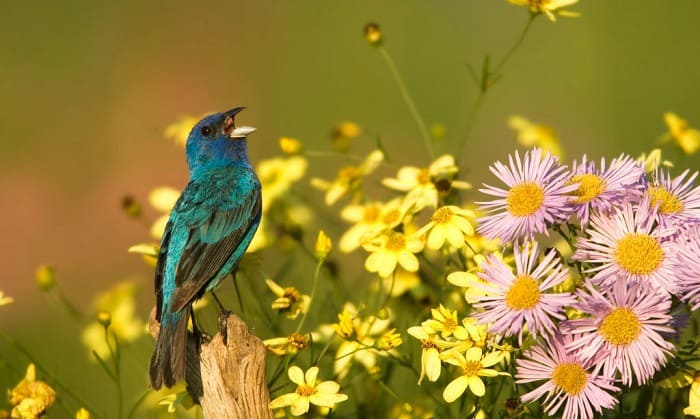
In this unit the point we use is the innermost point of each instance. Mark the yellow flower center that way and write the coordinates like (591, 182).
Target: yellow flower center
(370, 214)
(423, 176)
(396, 242)
(391, 217)
(638, 254)
(590, 186)
(668, 203)
(299, 341)
(348, 173)
(450, 324)
(428, 344)
(472, 368)
(442, 216)
(523, 294)
(306, 391)
(570, 377)
(620, 327)
(524, 199)
(292, 295)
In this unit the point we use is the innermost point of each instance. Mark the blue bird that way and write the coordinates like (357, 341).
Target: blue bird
(209, 230)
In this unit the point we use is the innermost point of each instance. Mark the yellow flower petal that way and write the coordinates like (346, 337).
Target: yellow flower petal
(300, 406)
(408, 261)
(455, 389)
(163, 199)
(284, 400)
(296, 375)
(431, 360)
(311, 375)
(477, 386)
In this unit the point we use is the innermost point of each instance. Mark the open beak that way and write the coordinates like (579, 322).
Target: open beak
(230, 127)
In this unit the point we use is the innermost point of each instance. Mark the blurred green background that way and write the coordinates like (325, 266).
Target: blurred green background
(87, 89)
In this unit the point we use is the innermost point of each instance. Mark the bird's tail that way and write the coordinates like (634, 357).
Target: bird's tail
(169, 357)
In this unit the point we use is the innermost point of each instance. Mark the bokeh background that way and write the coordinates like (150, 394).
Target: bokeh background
(87, 89)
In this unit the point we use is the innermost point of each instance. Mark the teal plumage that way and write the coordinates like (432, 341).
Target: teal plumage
(209, 230)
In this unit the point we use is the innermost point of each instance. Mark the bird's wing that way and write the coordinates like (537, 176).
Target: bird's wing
(160, 267)
(217, 226)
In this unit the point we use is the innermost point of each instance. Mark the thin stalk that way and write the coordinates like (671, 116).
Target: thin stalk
(317, 273)
(408, 100)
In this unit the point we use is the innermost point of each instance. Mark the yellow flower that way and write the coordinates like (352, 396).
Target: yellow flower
(324, 394)
(82, 414)
(323, 245)
(119, 302)
(551, 8)
(5, 300)
(685, 137)
(45, 277)
(473, 366)
(693, 408)
(448, 223)
(30, 398)
(401, 282)
(430, 365)
(424, 186)
(349, 178)
(372, 34)
(277, 175)
(445, 322)
(469, 280)
(389, 340)
(392, 249)
(180, 129)
(536, 135)
(162, 199)
(343, 133)
(370, 219)
(288, 345)
(289, 300)
(290, 145)
(653, 160)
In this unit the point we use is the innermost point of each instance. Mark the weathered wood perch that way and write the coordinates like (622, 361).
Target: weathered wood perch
(227, 374)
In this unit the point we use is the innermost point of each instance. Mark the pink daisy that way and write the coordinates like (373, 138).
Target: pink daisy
(688, 265)
(599, 190)
(628, 245)
(513, 300)
(571, 380)
(624, 330)
(678, 201)
(536, 197)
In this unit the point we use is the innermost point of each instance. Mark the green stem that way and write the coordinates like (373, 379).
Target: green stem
(317, 273)
(115, 353)
(515, 46)
(408, 101)
(136, 405)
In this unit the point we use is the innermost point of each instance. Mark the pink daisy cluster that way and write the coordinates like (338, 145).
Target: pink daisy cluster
(636, 249)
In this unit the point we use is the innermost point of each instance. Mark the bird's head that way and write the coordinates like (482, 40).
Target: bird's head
(216, 141)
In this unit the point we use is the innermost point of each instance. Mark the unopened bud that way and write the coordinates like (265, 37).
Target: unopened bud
(45, 277)
(131, 207)
(104, 318)
(372, 34)
(323, 245)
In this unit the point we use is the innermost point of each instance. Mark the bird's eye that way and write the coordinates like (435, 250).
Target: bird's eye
(205, 131)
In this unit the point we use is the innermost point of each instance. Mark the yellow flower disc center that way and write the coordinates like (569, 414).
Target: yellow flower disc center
(570, 377)
(590, 186)
(442, 216)
(292, 295)
(449, 324)
(299, 341)
(638, 254)
(668, 203)
(472, 368)
(306, 391)
(396, 242)
(524, 199)
(428, 344)
(620, 327)
(523, 294)
(370, 214)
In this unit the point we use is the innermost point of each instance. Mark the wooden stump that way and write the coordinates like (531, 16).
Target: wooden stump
(227, 374)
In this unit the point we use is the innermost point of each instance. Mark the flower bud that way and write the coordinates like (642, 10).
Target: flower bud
(104, 318)
(323, 245)
(372, 34)
(45, 277)
(131, 207)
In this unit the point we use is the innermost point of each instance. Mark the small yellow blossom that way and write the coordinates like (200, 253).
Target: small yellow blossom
(82, 413)
(149, 252)
(693, 408)
(288, 345)
(536, 135)
(448, 223)
(324, 394)
(685, 137)
(389, 340)
(391, 250)
(372, 34)
(424, 186)
(551, 8)
(370, 219)
(431, 365)
(45, 277)
(5, 300)
(360, 337)
(30, 398)
(290, 145)
(289, 300)
(349, 178)
(120, 304)
(401, 282)
(473, 366)
(278, 174)
(653, 160)
(445, 322)
(470, 279)
(343, 134)
(323, 245)
(179, 130)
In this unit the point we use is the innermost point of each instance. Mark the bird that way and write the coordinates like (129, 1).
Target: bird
(208, 231)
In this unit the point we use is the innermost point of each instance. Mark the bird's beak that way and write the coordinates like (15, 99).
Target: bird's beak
(229, 127)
